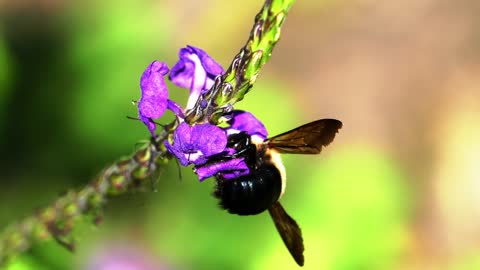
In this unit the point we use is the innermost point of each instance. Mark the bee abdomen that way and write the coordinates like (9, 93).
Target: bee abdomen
(250, 194)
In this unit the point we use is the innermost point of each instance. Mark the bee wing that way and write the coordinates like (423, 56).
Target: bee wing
(289, 231)
(307, 139)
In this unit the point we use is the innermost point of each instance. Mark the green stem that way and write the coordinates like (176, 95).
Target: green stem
(232, 86)
(59, 218)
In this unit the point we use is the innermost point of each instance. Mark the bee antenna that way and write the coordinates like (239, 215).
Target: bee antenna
(138, 119)
(154, 179)
(179, 170)
(133, 118)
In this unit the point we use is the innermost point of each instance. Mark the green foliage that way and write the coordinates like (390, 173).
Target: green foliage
(5, 69)
(26, 263)
(471, 262)
(111, 46)
(5, 74)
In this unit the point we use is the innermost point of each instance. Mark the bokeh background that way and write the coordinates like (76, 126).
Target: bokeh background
(398, 189)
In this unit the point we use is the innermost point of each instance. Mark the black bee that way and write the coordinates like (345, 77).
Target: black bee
(262, 188)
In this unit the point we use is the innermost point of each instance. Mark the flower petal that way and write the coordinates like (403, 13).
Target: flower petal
(197, 159)
(182, 138)
(153, 102)
(122, 255)
(227, 169)
(182, 73)
(149, 123)
(236, 170)
(209, 64)
(209, 139)
(245, 121)
(175, 108)
(178, 154)
(193, 145)
(195, 70)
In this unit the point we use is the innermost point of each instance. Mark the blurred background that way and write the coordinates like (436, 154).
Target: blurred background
(398, 189)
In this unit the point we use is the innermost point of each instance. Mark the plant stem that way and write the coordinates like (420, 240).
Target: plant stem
(231, 87)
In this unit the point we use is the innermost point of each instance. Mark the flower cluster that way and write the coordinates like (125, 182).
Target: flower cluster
(201, 144)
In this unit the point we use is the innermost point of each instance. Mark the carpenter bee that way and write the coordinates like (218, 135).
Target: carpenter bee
(265, 183)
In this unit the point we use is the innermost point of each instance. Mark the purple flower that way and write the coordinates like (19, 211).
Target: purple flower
(122, 257)
(195, 70)
(175, 108)
(203, 145)
(228, 169)
(194, 144)
(245, 121)
(153, 102)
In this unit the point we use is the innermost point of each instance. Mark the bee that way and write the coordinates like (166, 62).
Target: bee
(265, 183)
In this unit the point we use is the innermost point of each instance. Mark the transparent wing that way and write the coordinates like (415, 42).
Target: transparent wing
(289, 231)
(307, 139)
